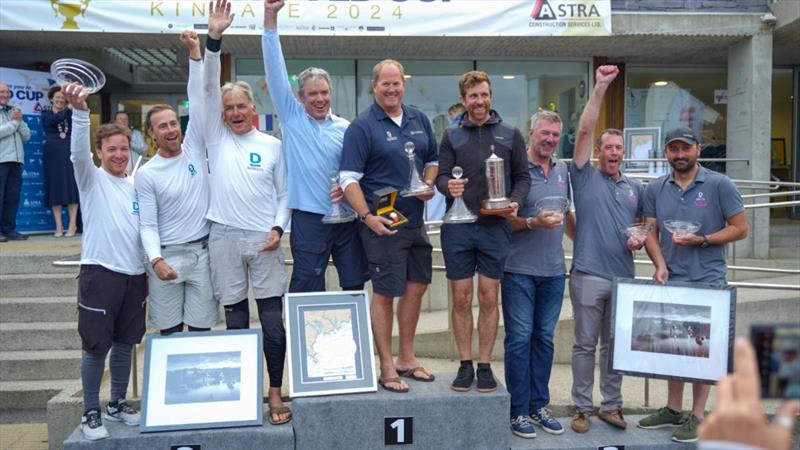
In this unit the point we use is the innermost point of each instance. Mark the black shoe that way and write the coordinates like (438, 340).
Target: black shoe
(14, 236)
(486, 381)
(463, 381)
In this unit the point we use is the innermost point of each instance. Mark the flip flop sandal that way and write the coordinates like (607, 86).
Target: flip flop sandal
(278, 410)
(384, 382)
(411, 373)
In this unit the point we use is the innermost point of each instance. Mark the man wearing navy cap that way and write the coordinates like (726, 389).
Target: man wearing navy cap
(691, 193)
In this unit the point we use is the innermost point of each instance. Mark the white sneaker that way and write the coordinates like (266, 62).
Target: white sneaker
(92, 426)
(122, 412)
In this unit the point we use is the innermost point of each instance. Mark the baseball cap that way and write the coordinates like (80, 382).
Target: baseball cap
(682, 134)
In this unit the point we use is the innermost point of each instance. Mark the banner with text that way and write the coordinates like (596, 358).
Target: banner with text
(29, 93)
(321, 17)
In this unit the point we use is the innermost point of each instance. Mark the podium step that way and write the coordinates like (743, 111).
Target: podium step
(124, 437)
(429, 416)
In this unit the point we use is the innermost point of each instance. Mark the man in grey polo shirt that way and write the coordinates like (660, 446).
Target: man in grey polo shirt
(696, 194)
(606, 202)
(533, 282)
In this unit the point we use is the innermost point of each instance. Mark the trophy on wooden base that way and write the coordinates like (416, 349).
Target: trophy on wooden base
(495, 169)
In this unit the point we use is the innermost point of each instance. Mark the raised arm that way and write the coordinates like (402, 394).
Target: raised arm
(219, 19)
(194, 141)
(277, 77)
(583, 143)
(80, 147)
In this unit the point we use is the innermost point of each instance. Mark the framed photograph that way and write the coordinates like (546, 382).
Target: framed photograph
(329, 338)
(643, 143)
(778, 151)
(211, 379)
(678, 331)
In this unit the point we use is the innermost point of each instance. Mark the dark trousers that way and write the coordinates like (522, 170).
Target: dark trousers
(10, 185)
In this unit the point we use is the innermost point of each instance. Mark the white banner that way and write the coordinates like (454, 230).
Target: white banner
(321, 17)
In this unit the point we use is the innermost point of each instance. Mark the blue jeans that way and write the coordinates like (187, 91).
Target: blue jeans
(531, 306)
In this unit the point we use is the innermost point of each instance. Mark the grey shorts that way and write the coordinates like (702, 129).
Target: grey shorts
(187, 299)
(235, 258)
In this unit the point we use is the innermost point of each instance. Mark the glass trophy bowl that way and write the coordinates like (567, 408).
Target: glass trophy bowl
(69, 70)
(555, 204)
(458, 212)
(415, 184)
(339, 213)
(638, 231)
(681, 228)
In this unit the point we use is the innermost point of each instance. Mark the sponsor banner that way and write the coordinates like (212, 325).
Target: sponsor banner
(321, 17)
(29, 93)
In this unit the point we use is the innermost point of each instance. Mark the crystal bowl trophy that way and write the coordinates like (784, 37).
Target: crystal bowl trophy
(458, 212)
(70, 70)
(681, 228)
(497, 203)
(338, 213)
(555, 205)
(415, 184)
(638, 231)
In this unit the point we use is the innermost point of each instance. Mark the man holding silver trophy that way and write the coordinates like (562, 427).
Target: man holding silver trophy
(312, 144)
(490, 154)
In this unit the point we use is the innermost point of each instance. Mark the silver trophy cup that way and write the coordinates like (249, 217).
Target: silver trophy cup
(495, 182)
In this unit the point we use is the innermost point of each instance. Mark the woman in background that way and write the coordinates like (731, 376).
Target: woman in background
(59, 182)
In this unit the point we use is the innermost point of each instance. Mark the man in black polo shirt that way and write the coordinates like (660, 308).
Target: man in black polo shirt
(481, 246)
(399, 260)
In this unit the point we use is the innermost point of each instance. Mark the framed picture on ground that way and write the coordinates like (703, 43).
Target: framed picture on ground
(678, 331)
(329, 340)
(210, 379)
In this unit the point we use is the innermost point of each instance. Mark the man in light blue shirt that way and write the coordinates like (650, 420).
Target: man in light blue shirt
(312, 144)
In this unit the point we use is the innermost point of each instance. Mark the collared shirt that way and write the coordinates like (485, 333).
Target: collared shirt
(109, 206)
(539, 252)
(603, 209)
(312, 148)
(174, 192)
(710, 200)
(373, 146)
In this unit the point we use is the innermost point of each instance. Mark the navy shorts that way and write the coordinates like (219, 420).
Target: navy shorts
(111, 308)
(314, 242)
(395, 259)
(481, 246)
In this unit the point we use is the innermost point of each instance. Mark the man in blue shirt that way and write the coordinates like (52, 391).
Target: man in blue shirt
(400, 262)
(312, 145)
(691, 193)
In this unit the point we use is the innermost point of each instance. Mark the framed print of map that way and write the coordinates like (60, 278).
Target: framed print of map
(329, 343)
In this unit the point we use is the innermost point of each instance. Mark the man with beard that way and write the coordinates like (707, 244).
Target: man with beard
(400, 260)
(111, 284)
(481, 246)
(533, 282)
(247, 211)
(606, 202)
(173, 197)
(312, 143)
(696, 194)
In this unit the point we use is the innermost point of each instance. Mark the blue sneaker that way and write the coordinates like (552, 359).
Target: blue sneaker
(543, 418)
(522, 427)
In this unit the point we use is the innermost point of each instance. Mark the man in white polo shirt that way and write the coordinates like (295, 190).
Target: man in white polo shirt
(111, 284)
(173, 197)
(248, 210)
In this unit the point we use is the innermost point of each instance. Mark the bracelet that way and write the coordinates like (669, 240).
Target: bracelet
(154, 262)
(528, 223)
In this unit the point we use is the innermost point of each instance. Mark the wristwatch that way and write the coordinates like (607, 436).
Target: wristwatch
(705, 242)
(363, 217)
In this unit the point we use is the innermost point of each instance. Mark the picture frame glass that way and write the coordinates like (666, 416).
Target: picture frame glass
(679, 331)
